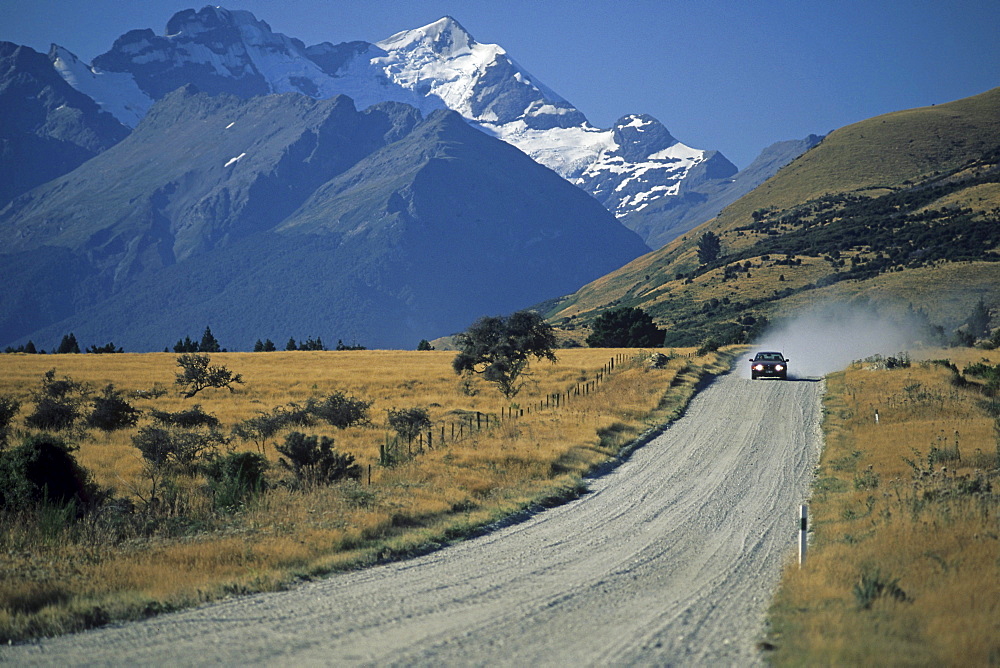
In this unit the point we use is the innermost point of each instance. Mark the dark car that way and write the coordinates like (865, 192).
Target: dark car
(769, 365)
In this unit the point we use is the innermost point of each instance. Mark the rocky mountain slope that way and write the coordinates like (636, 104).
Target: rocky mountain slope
(48, 128)
(282, 215)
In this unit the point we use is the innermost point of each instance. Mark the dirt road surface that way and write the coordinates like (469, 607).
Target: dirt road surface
(671, 559)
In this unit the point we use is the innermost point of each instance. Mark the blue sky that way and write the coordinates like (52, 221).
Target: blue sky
(734, 76)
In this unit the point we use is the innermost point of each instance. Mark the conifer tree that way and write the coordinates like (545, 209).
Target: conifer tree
(68, 345)
(209, 344)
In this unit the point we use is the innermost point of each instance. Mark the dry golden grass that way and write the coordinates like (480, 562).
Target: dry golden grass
(58, 576)
(923, 527)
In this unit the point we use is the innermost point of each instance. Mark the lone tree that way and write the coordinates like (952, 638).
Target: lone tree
(709, 247)
(197, 374)
(625, 328)
(500, 348)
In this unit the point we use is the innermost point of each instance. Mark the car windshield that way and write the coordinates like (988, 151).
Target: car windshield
(769, 357)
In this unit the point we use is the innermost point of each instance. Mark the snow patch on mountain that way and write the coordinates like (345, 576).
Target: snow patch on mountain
(115, 92)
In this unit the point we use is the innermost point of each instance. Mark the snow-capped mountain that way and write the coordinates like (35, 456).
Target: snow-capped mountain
(282, 214)
(626, 167)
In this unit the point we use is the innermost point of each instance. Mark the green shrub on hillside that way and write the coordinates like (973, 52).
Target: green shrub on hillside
(626, 327)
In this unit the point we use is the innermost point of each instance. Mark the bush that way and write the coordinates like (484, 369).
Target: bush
(52, 415)
(164, 447)
(408, 422)
(873, 585)
(57, 403)
(259, 428)
(42, 470)
(235, 478)
(312, 460)
(337, 409)
(340, 410)
(9, 407)
(709, 345)
(193, 417)
(112, 412)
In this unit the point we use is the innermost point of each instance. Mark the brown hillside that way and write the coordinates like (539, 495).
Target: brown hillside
(901, 208)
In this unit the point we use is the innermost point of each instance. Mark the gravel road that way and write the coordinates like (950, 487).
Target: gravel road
(671, 559)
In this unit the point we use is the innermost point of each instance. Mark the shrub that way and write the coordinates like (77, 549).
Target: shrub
(867, 479)
(408, 422)
(52, 415)
(872, 586)
(235, 478)
(9, 407)
(111, 411)
(313, 461)
(163, 447)
(340, 410)
(42, 470)
(57, 403)
(259, 428)
(709, 345)
(193, 417)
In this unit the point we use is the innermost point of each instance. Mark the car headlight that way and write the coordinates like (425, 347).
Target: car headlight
(779, 367)
(758, 367)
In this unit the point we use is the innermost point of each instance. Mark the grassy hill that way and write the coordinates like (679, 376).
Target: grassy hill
(901, 209)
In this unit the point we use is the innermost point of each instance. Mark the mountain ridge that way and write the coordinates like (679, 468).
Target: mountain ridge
(432, 67)
(380, 225)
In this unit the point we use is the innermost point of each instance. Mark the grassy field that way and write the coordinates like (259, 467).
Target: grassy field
(140, 555)
(904, 561)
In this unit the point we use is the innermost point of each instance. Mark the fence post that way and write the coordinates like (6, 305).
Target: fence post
(803, 528)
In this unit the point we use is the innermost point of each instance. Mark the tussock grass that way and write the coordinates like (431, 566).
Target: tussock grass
(136, 559)
(904, 563)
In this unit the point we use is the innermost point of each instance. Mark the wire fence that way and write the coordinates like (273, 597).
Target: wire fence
(397, 449)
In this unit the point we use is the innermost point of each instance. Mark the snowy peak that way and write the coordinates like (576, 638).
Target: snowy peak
(445, 37)
(220, 51)
(638, 136)
(442, 61)
(212, 20)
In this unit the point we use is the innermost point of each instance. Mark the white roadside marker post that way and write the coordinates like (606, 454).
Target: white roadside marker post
(803, 527)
